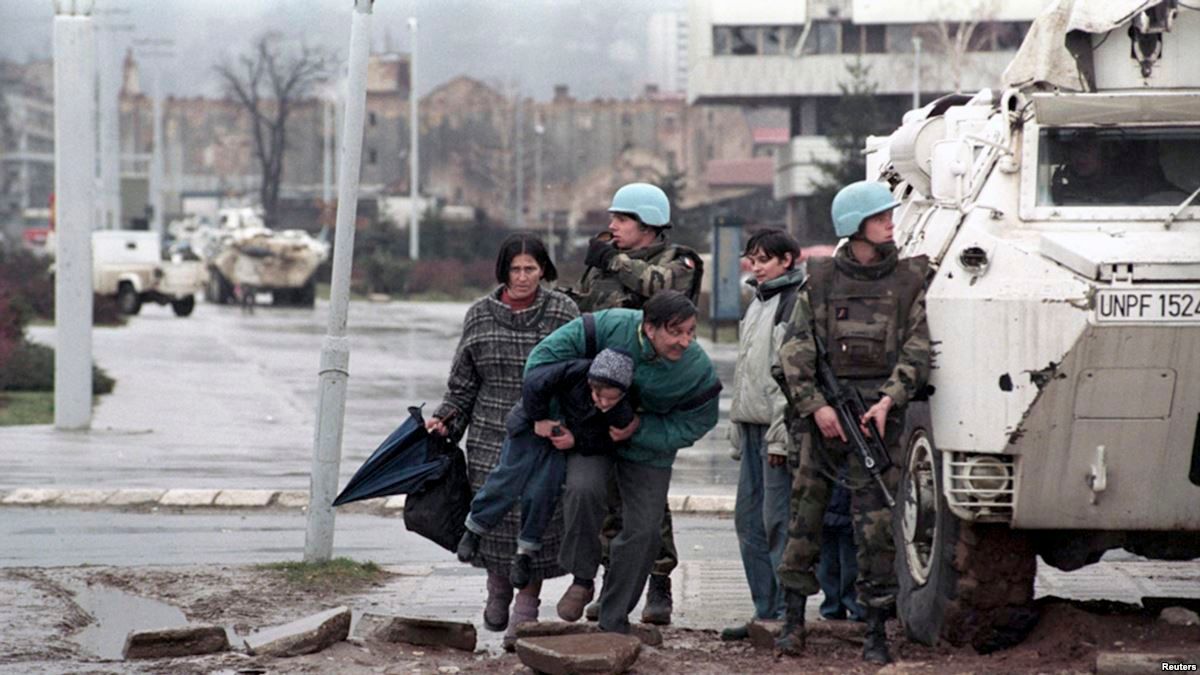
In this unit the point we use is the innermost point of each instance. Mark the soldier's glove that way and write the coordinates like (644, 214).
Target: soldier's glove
(599, 254)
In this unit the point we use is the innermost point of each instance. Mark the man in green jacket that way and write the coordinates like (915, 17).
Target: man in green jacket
(625, 266)
(676, 390)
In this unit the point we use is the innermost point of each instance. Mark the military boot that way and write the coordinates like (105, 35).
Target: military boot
(657, 609)
(875, 649)
(791, 638)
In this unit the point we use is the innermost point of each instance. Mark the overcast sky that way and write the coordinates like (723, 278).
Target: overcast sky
(594, 46)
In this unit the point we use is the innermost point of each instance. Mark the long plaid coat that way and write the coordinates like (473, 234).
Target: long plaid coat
(485, 383)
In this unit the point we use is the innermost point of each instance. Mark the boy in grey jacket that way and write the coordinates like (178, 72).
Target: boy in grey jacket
(759, 434)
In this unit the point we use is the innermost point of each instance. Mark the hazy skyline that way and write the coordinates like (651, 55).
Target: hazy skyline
(596, 47)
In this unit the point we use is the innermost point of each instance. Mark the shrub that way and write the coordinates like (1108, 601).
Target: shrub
(31, 368)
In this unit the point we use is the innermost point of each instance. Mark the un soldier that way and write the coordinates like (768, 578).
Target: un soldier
(868, 306)
(626, 265)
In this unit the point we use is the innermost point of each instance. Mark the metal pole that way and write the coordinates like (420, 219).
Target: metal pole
(519, 208)
(74, 189)
(335, 350)
(326, 153)
(414, 165)
(156, 159)
(110, 133)
(537, 188)
(916, 96)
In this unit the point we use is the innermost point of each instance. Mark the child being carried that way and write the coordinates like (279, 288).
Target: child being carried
(589, 396)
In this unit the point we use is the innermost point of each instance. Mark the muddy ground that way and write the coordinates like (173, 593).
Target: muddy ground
(43, 623)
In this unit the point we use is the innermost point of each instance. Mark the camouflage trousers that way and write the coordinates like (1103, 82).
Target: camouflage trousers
(820, 461)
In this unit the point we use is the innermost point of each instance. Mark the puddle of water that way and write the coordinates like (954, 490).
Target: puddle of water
(116, 614)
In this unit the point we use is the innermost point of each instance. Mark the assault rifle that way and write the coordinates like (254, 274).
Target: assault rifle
(850, 407)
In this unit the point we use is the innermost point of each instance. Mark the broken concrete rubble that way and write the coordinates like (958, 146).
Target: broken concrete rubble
(579, 654)
(172, 642)
(305, 636)
(650, 636)
(430, 632)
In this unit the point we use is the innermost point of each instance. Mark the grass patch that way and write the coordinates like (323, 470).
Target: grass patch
(26, 407)
(334, 574)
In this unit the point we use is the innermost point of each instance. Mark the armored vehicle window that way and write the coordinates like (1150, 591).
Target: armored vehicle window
(1117, 167)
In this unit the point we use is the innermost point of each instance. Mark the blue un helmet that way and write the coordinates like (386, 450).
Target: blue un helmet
(646, 201)
(858, 201)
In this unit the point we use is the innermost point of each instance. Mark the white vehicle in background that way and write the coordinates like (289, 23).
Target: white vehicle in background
(1062, 221)
(241, 252)
(129, 265)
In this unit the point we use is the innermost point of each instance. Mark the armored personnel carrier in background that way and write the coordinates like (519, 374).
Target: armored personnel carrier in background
(1061, 217)
(244, 255)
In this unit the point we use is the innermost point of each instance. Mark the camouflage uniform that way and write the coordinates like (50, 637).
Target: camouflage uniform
(629, 281)
(633, 276)
(872, 319)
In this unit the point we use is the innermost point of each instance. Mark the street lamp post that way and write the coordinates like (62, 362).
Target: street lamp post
(414, 166)
(335, 349)
(74, 191)
(540, 132)
(109, 110)
(916, 93)
(157, 49)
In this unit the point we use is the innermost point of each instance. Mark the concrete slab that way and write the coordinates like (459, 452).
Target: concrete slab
(649, 635)
(244, 498)
(577, 654)
(174, 642)
(304, 636)
(135, 497)
(415, 631)
(32, 496)
(184, 497)
(84, 497)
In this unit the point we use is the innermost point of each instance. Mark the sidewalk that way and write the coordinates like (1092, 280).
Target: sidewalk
(218, 410)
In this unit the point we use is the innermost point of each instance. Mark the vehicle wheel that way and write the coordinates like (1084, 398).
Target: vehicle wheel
(282, 297)
(218, 290)
(184, 307)
(127, 299)
(959, 582)
(306, 295)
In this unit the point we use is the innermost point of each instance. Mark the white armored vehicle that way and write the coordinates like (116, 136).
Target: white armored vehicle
(242, 252)
(1062, 219)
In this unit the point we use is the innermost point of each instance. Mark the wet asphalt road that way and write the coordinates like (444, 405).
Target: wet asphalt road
(66, 537)
(224, 399)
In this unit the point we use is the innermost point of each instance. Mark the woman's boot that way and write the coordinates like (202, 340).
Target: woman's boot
(500, 595)
(791, 638)
(525, 610)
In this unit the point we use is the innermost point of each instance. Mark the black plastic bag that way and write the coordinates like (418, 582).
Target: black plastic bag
(438, 509)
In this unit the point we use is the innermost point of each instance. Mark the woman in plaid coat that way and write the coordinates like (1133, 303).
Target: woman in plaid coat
(485, 382)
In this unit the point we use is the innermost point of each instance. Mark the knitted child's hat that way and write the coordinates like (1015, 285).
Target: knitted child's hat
(613, 367)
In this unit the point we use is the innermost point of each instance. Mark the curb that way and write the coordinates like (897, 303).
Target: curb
(228, 500)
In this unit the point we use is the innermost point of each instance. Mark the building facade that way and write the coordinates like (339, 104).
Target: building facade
(796, 56)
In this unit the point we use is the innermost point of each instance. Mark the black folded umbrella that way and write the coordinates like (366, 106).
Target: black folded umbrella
(400, 465)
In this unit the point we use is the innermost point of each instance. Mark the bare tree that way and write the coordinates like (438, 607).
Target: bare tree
(954, 39)
(268, 82)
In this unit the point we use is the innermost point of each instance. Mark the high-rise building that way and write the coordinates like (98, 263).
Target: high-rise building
(667, 51)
